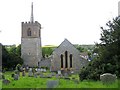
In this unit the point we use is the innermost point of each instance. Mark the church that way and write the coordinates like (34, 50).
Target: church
(64, 57)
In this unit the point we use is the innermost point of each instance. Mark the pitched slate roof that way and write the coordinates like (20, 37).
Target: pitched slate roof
(66, 43)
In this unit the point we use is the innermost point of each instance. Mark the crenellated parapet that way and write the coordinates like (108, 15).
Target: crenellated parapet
(31, 23)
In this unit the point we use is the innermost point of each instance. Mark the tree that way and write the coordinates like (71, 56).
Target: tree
(11, 57)
(108, 59)
(80, 48)
(47, 51)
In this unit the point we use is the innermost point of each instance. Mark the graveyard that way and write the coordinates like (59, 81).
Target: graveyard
(68, 65)
(46, 79)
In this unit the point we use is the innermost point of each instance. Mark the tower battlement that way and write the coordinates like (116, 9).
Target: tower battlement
(33, 23)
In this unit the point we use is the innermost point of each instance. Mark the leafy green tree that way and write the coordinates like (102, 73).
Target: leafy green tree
(11, 57)
(47, 51)
(108, 59)
(80, 48)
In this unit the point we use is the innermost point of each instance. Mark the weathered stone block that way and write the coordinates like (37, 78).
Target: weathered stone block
(108, 78)
(52, 83)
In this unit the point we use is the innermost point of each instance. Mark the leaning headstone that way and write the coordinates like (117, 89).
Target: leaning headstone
(52, 83)
(16, 77)
(5, 81)
(108, 78)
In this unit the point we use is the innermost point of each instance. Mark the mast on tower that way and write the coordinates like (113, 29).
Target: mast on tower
(32, 18)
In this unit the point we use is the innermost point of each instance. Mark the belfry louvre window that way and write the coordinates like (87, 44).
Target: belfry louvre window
(61, 56)
(29, 32)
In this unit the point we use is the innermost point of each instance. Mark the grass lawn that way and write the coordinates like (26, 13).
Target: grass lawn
(0, 83)
(31, 82)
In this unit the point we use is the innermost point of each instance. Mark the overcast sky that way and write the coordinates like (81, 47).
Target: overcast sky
(77, 20)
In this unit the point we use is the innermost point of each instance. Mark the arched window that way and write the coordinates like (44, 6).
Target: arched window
(70, 60)
(66, 59)
(29, 32)
(61, 56)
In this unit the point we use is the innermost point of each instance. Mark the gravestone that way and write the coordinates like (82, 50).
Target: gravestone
(27, 68)
(57, 76)
(72, 72)
(35, 75)
(41, 69)
(21, 69)
(66, 75)
(76, 81)
(53, 74)
(16, 77)
(52, 83)
(59, 72)
(33, 70)
(23, 73)
(44, 70)
(17, 72)
(38, 71)
(41, 75)
(30, 73)
(49, 76)
(108, 78)
(5, 81)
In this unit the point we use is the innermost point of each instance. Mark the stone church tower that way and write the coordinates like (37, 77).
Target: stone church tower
(31, 51)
